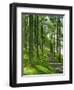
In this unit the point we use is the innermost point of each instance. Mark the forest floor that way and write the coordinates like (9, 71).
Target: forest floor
(53, 67)
(40, 69)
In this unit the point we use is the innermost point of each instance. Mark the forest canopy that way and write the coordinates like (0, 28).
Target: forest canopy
(42, 44)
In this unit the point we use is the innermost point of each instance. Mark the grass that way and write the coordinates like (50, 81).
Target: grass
(37, 69)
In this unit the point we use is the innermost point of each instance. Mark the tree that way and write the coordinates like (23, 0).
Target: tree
(31, 39)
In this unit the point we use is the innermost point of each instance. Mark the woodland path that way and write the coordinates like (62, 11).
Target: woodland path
(58, 67)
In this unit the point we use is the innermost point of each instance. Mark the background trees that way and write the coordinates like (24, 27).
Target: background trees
(42, 42)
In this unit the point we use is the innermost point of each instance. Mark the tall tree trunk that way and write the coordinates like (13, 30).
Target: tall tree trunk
(54, 43)
(57, 34)
(31, 39)
(37, 30)
(59, 41)
(58, 38)
(42, 38)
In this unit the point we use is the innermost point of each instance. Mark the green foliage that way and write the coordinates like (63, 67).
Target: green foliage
(42, 36)
(58, 57)
(43, 69)
(30, 71)
(37, 69)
